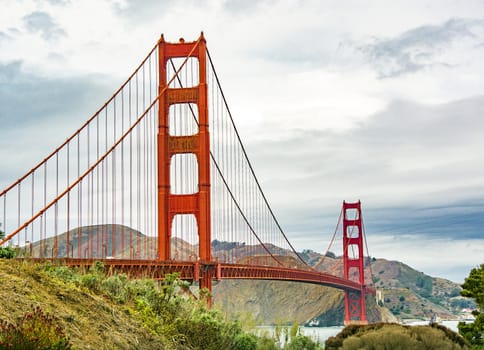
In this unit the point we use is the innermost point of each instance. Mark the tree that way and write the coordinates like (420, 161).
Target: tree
(473, 287)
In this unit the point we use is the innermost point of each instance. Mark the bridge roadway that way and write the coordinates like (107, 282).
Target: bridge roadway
(193, 271)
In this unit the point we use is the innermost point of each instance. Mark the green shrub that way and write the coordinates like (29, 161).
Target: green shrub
(64, 273)
(206, 330)
(91, 281)
(34, 331)
(395, 337)
(245, 341)
(302, 342)
(115, 287)
(7, 253)
(266, 343)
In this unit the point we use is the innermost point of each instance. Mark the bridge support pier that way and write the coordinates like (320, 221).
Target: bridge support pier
(353, 258)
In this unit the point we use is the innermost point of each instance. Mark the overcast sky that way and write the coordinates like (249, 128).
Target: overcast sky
(335, 100)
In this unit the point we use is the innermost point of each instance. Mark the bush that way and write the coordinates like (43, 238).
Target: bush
(302, 342)
(34, 331)
(115, 287)
(393, 336)
(245, 341)
(7, 253)
(90, 281)
(266, 343)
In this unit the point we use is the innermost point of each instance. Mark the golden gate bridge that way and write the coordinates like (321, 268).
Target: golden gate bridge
(158, 181)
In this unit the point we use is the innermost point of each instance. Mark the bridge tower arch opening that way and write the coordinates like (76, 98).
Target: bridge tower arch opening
(354, 263)
(195, 143)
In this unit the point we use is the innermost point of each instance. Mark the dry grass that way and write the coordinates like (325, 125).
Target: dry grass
(91, 321)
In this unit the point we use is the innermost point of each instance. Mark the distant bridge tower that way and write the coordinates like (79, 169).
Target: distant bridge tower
(353, 258)
(198, 204)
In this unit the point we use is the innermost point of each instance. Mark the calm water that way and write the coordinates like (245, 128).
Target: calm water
(322, 333)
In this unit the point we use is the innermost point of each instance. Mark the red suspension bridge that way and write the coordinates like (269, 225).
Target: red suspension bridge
(158, 181)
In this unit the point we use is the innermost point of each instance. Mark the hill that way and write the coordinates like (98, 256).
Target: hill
(407, 294)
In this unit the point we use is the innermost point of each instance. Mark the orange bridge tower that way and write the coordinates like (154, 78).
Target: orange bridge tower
(198, 204)
(355, 308)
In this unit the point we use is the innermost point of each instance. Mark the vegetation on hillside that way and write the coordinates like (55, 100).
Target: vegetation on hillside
(473, 287)
(395, 336)
(34, 330)
(93, 309)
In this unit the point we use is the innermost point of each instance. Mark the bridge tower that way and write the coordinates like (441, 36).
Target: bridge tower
(355, 308)
(198, 204)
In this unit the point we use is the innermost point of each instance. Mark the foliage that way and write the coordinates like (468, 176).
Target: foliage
(289, 338)
(245, 341)
(473, 287)
(34, 331)
(473, 332)
(301, 342)
(266, 343)
(7, 252)
(425, 283)
(294, 330)
(462, 303)
(394, 336)
(183, 322)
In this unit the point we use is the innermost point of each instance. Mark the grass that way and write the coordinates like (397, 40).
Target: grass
(93, 321)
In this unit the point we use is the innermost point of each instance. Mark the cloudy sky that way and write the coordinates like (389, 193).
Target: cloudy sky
(335, 100)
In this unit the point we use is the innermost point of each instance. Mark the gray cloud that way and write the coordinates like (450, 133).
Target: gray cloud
(43, 23)
(416, 49)
(244, 7)
(28, 103)
(26, 97)
(59, 2)
(417, 169)
(9, 33)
